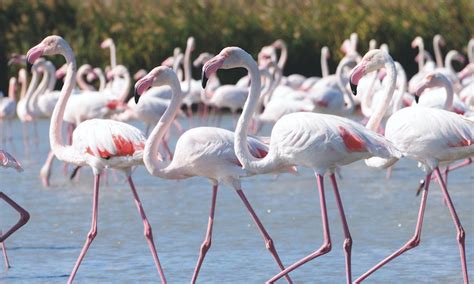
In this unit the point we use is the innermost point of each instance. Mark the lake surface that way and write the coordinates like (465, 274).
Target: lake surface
(381, 214)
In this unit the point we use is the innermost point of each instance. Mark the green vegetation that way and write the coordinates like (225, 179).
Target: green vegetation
(146, 31)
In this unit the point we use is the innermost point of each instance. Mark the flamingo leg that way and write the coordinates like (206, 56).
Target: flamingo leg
(93, 231)
(348, 239)
(325, 248)
(190, 116)
(461, 234)
(208, 239)
(167, 149)
(412, 243)
(24, 216)
(266, 237)
(178, 126)
(5, 256)
(148, 231)
(45, 172)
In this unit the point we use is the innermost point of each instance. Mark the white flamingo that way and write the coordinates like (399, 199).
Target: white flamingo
(319, 141)
(429, 136)
(201, 151)
(98, 143)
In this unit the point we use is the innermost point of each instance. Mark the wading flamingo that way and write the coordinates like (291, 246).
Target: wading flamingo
(201, 151)
(7, 161)
(429, 136)
(318, 141)
(98, 143)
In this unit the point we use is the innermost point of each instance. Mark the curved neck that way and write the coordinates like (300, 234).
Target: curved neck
(80, 75)
(187, 69)
(33, 103)
(266, 88)
(366, 102)
(448, 61)
(23, 86)
(324, 62)
(398, 100)
(448, 103)
(277, 75)
(421, 53)
(31, 88)
(150, 153)
(126, 89)
(61, 151)
(437, 51)
(241, 148)
(283, 56)
(374, 121)
(340, 82)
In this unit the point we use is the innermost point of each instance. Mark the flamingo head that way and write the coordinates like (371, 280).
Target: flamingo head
(373, 60)
(92, 75)
(467, 71)
(17, 59)
(61, 72)
(325, 51)
(168, 62)
(279, 43)
(50, 45)
(191, 42)
(417, 42)
(202, 58)
(107, 43)
(228, 58)
(438, 38)
(433, 79)
(140, 74)
(158, 76)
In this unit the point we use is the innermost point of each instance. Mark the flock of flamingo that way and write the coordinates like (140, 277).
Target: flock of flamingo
(429, 118)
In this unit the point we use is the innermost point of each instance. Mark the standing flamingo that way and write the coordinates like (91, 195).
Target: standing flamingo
(7, 161)
(201, 151)
(99, 143)
(319, 141)
(429, 136)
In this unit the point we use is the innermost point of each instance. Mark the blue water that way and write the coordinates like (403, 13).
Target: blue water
(381, 215)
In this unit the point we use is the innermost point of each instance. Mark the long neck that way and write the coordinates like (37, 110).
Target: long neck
(421, 53)
(11, 88)
(324, 62)
(278, 75)
(150, 153)
(23, 86)
(398, 100)
(52, 78)
(33, 103)
(377, 116)
(448, 61)
(101, 77)
(366, 102)
(126, 88)
(187, 69)
(437, 51)
(470, 50)
(31, 89)
(240, 138)
(283, 56)
(113, 58)
(448, 103)
(61, 151)
(340, 82)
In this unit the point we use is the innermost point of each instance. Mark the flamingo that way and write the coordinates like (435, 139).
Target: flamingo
(8, 161)
(319, 141)
(201, 151)
(429, 136)
(109, 43)
(98, 143)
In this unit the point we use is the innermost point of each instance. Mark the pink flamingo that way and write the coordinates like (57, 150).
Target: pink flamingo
(201, 151)
(99, 143)
(319, 141)
(7, 161)
(429, 136)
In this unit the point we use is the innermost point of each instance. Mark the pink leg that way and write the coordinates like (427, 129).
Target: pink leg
(190, 116)
(167, 149)
(208, 239)
(26, 138)
(266, 237)
(93, 231)
(178, 126)
(325, 248)
(388, 175)
(461, 235)
(413, 242)
(45, 172)
(348, 239)
(35, 129)
(148, 231)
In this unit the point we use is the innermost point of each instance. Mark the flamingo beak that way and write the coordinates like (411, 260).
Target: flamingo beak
(136, 96)
(204, 79)
(357, 73)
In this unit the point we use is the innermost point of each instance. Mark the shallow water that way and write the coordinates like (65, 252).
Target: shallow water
(381, 214)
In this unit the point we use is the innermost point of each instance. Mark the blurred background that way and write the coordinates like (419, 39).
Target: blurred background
(146, 31)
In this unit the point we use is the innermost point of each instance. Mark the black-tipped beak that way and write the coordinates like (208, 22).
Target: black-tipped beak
(417, 98)
(353, 88)
(28, 66)
(136, 96)
(204, 79)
